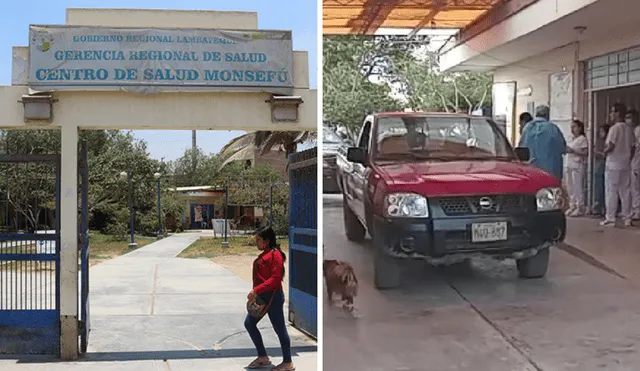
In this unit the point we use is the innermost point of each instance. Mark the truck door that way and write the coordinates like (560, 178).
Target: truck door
(359, 174)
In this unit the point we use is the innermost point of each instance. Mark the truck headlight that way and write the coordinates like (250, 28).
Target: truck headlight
(406, 205)
(548, 199)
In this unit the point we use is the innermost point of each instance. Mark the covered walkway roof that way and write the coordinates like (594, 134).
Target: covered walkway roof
(365, 17)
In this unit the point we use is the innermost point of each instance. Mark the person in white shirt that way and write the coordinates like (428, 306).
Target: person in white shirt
(576, 163)
(632, 118)
(619, 148)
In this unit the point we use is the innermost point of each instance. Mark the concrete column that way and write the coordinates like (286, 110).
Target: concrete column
(69, 240)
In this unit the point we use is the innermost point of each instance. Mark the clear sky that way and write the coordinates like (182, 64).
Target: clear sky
(299, 16)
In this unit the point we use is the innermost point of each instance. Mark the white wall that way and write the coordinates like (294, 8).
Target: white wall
(535, 72)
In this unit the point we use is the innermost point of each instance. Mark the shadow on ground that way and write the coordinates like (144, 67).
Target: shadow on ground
(159, 355)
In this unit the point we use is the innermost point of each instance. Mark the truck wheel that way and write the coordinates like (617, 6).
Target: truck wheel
(386, 268)
(534, 266)
(354, 229)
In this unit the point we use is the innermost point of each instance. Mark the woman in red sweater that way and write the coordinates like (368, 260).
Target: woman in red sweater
(268, 273)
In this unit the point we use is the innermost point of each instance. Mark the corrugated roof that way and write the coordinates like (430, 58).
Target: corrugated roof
(364, 17)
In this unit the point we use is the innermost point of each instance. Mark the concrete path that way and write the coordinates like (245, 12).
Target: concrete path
(615, 248)
(153, 311)
(578, 318)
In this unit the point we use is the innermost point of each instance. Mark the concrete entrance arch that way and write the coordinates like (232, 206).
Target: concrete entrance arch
(90, 108)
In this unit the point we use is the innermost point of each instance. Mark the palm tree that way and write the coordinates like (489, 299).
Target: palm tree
(243, 148)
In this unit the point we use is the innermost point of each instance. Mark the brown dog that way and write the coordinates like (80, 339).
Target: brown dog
(340, 279)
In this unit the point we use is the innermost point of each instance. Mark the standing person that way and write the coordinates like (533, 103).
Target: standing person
(525, 118)
(545, 142)
(598, 188)
(268, 273)
(619, 148)
(633, 118)
(577, 150)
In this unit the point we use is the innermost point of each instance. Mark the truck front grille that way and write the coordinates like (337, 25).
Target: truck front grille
(495, 204)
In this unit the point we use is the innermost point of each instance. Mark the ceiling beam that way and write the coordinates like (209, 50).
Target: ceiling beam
(372, 16)
(437, 6)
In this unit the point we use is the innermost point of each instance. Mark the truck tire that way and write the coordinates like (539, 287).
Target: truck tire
(534, 266)
(354, 229)
(386, 269)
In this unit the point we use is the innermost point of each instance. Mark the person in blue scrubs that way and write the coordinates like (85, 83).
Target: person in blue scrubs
(598, 189)
(545, 142)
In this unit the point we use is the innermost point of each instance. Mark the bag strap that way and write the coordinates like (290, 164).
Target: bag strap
(270, 301)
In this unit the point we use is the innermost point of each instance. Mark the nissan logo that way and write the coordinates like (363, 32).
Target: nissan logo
(486, 203)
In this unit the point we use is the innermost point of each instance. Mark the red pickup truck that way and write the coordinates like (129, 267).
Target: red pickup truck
(446, 188)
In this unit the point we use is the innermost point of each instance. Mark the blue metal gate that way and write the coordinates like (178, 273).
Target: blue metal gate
(303, 241)
(29, 254)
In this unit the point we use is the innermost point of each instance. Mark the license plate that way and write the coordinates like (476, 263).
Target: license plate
(488, 232)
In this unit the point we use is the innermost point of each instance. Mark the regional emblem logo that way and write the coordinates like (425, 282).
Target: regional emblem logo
(42, 40)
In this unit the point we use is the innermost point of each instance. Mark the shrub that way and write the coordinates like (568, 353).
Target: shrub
(147, 224)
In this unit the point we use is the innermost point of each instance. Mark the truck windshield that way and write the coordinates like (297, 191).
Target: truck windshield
(441, 138)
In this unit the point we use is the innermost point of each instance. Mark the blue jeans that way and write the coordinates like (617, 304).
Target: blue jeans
(276, 316)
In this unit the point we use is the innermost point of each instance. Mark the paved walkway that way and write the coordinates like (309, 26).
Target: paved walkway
(614, 248)
(153, 311)
(578, 318)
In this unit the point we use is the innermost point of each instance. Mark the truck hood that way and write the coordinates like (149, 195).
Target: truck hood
(431, 178)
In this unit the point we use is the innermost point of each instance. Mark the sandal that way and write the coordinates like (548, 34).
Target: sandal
(282, 367)
(258, 364)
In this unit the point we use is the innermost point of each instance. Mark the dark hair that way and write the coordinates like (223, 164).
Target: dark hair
(525, 117)
(580, 126)
(634, 115)
(620, 109)
(605, 128)
(268, 234)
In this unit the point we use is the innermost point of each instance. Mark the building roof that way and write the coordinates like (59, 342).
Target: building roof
(365, 17)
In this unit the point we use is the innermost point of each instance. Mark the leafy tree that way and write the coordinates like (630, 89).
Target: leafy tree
(427, 89)
(109, 153)
(348, 94)
(204, 173)
(364, 74)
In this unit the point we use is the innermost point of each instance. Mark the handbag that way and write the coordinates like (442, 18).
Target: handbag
(258, 307)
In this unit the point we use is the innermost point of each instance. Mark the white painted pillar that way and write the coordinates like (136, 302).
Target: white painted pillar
(69, 241)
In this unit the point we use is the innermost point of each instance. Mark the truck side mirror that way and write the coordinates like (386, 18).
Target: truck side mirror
(356, 154)
(522, 153)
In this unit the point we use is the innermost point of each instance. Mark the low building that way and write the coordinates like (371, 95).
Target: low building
(202, 204)
(579, 57)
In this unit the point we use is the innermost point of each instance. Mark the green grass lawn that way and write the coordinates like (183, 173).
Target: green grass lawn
(211, 247)
(103, 247)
